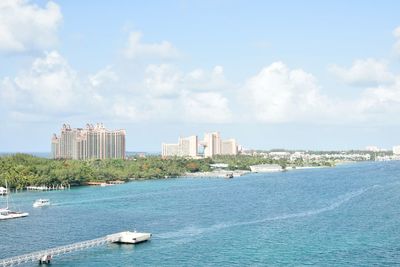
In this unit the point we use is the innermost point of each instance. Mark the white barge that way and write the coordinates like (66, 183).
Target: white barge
(133, 237)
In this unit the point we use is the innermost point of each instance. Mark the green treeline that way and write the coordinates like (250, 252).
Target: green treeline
(21, 170)
(243, 162)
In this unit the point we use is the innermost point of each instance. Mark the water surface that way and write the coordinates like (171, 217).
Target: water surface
(343, 216)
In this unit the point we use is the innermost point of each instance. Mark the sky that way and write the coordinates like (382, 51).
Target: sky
(318, 75)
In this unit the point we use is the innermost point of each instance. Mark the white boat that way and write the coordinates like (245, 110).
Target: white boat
(41, 203)
(6, 213)
(105, 184)
(3, 191)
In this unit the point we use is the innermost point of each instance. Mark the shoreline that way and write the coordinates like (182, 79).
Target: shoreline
(238, 173)
(216, 174)
(208, 174)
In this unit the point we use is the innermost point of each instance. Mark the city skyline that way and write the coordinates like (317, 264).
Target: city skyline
(310, 82)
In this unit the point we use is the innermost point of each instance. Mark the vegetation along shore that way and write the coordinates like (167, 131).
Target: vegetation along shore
(22, 170)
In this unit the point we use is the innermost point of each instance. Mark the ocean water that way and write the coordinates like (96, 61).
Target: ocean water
(343, 216)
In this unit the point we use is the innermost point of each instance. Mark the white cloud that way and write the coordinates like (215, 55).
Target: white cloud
(396, 46)
(218, 70)
(49, 87)
(162, 80)
(103, 76)
(381, 103)
(146, 108)
(367, 72)
(123, 109)
(25, 26)
(8, 94)
(136, 49)
(205, 107)
(202, 80)
(171, 93)
(277, 94)
(194, 96)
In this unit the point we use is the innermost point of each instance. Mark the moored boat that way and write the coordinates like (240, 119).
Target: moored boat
(6, 213)
(3, 191)
(106, 184)
(229, 175)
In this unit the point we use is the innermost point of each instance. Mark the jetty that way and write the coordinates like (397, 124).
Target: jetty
(217, 174)
(45, 256)
(48, 188)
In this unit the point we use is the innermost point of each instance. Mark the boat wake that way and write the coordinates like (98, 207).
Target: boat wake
(132, 197)
(188, 234)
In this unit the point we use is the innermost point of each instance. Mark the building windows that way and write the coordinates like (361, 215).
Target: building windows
(92, 142)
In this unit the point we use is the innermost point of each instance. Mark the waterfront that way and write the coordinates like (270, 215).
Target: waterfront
(344, 216)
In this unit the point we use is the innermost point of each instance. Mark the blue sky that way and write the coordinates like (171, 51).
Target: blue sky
(301, 75)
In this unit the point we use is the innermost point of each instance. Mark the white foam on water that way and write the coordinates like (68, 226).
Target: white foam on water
(131, 197)
(189, 233)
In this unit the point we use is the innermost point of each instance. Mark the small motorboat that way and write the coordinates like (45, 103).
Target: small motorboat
(229, 175)
(41, 203)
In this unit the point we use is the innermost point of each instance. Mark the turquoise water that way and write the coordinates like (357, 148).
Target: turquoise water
(343, 216)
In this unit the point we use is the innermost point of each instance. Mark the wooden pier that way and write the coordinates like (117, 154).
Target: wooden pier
(48, 188)
(45, 256)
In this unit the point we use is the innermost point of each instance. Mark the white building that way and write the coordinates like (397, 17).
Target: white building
(229, 147)
(372, 148)
(266, 168)
(212, 144)
(189, 146)
(170, 150)
(186, 147)
(396, 150)
(92, 142)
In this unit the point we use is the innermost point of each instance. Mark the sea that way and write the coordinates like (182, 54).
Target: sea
(348, 215)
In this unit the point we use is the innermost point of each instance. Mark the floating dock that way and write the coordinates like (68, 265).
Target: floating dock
(45, 256)
(48, 188)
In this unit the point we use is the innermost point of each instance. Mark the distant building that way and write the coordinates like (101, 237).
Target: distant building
(186, 147)
(170, 150)
(189, 146)
(396, 150)
(372, 148)
(229, 147)
(92, 142)
(212, 144)
(266, 168)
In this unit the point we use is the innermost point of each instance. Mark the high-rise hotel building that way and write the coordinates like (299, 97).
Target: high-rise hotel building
(189, 146)
(186, 147)
(92, 142)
